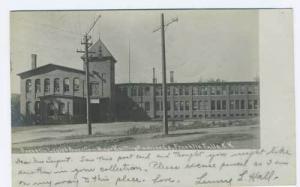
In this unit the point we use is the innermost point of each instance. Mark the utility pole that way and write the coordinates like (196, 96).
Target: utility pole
(86, 42)
(164, 82)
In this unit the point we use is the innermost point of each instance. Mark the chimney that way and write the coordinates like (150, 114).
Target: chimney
(171, 76)
(154, 80)
(33, 61)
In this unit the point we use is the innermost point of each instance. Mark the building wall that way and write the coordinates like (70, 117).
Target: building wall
(195, 100)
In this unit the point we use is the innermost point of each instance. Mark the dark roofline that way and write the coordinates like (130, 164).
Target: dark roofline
(191, 83)
(42, 69)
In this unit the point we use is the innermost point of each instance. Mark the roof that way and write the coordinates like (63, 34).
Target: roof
(100, 51)
(47, 68)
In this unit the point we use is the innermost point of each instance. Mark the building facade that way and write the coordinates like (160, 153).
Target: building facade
(56, 94)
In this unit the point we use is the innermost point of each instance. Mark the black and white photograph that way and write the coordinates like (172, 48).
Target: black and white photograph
(134, 80)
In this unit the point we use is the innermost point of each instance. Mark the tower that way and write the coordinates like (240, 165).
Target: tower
(102, 82)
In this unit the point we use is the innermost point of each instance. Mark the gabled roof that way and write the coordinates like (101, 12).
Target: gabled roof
(100, 51)
(47, 68)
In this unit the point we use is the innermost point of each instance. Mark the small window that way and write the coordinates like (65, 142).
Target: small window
(186, 91)
(76, 84)
(66, 85)
(56, 85)
(237, 104)
(28, 86)
(242, 104)
(176, 105)
(140, 91)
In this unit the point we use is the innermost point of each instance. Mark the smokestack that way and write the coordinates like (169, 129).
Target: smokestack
(33, 61)
(154, 79)
(171, 76)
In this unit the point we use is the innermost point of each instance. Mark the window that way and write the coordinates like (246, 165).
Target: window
(133, 91)
(46, 85)
(195, 90)
(158, 91)
(242, 104)
(224, 90)
(140, 91)
(237, 104)
(168, 105)
(124, 91)
(180, 91)
(181, 106)
(195, 105)
(61, 109)
(223, 104)
(213, 90)
(157, 105)
(218, 105)
(28, 86)
(255, 104)
(76, 85)
(147, 91)
(236, 90)
(56, 85)
(187, 105)
(186, 90)
(168, 91)
(51, 109)
(218, 90)
(37, 107)
(231, 104)
(250, 90)
(176, 105)
(147, 106)
(94, 89)
(66, 85)
(37, 85)
(243, 90)
(28, 106)
(212, 105)
(175, 91)
(250, 104)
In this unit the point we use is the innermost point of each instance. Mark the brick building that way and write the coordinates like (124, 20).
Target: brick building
(56, 94)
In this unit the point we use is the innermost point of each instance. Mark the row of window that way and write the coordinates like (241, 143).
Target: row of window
(50, 108)
(56, 85)
(210, 116)
(196, 90)
(204, 105)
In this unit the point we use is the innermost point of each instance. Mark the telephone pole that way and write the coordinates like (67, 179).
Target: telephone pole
(164, 82)
(86, 42)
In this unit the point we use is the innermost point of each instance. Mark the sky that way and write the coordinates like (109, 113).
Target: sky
(202, 45)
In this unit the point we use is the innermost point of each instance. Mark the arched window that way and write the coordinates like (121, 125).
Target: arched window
(28, 86)
(46, 85)
(37, 85)
(76, 85)
(66, 85)
(37, 107)
(56, 85)
(50, 110)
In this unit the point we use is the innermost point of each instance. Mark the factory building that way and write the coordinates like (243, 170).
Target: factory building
(56, 94)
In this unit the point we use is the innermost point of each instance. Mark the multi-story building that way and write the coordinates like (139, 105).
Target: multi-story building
(56, 94)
